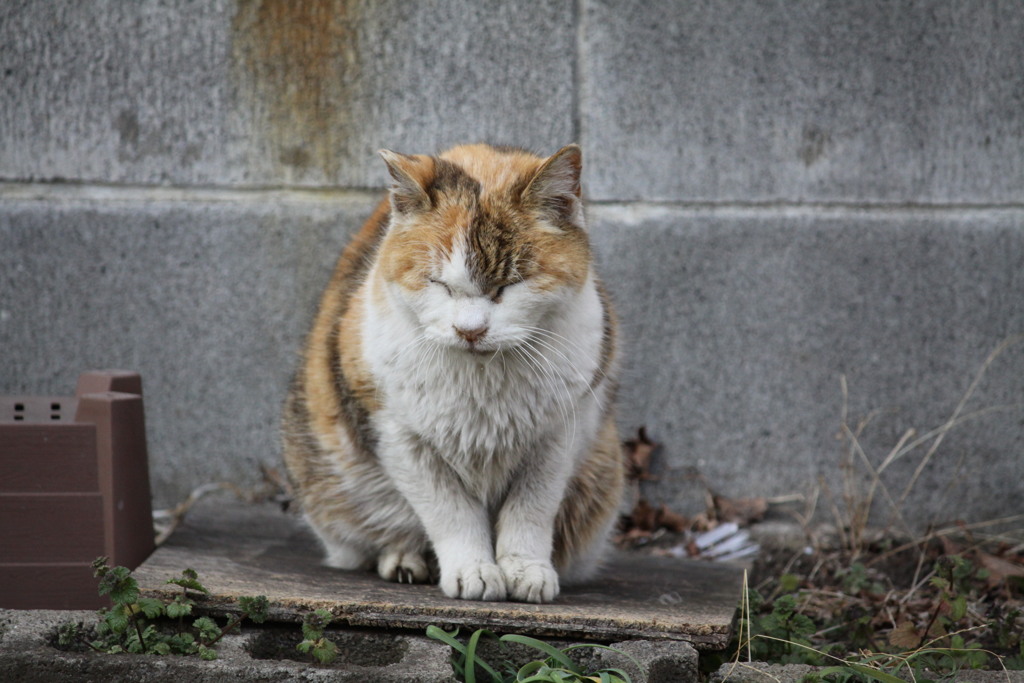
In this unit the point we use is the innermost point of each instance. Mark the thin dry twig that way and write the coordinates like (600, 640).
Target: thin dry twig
(274, 486)
(947, 531)
(953, 419)
(176, 515)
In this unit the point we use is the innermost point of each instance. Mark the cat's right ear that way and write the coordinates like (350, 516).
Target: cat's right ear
(410, 173)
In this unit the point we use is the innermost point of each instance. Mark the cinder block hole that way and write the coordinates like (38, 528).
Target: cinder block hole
(19, 412)
(359, 648)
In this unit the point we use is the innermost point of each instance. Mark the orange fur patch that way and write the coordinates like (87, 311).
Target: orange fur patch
(556, 257)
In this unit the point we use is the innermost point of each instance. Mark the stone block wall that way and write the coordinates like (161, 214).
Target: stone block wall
(781, 195)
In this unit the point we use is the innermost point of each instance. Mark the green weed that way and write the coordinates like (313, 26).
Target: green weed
(314, 642)
(133, 624)
(554, 667)
(934, 631)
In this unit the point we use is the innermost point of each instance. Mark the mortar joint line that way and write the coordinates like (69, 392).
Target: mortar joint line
(86, 191)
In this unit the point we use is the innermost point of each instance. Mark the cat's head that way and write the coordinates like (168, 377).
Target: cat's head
(485, 244)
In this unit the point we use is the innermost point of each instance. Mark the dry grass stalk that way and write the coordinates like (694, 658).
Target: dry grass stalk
(859, 500)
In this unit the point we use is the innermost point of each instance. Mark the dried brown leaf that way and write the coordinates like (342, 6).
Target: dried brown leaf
(644, 516)
(702, 522)
(740, 510)
(638, 456)
(950, 547)
(999, 569)
(905, 636)
(634, 534)
(671, 520)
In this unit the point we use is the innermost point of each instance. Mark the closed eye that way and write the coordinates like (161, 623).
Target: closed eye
(496, 292)
(447, 289)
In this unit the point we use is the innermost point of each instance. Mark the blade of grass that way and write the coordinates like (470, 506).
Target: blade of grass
(598, 646)
(470, 667)
(532, 671)
(553, 652)
(471, 660)
(859, 668)
(872, 674)
(446, 638)
(615, 675)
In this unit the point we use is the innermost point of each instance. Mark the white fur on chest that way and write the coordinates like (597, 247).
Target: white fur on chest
(485, 414)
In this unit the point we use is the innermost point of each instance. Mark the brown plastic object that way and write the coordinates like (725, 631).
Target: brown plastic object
(74, 485)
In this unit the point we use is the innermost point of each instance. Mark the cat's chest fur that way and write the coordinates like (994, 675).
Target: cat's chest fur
(484, 418)
(466, 404)
(484, 415)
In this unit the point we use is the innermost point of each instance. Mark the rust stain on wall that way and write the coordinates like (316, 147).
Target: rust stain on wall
(296, 64)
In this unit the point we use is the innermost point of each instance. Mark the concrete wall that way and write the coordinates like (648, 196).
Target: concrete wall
(780, 195)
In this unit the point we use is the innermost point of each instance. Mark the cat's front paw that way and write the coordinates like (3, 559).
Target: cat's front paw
(402, 566)
(474, 581)
(529, 580)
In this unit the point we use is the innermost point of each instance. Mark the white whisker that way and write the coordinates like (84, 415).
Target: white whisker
(554, 383)
(550, 345)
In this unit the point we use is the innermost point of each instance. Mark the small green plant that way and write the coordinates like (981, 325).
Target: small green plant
(781, 635)
(133, 623)
(1009, 636)
(924, 645)
(856, 579)
(555, 667)
(314, 642)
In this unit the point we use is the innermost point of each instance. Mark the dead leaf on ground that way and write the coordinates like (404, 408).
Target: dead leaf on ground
(999, 569)
(638, 456)
(740, 510)
(905, 636)
(949, 546)
(703, 522)
(644, 519)
(633, 534)
(643, 516)
(671, 520)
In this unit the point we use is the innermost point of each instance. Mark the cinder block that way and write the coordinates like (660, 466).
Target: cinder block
(650, 661)
(836, 102)
(737, 325)
(28, 655)
(273, 92)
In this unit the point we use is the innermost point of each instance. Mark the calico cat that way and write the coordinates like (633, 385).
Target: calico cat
(455, 397)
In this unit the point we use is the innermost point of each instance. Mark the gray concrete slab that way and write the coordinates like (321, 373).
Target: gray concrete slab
(112, 91)
(258, 550)
(208, 300)
(836, 102)
(273, 93)
(737, 325)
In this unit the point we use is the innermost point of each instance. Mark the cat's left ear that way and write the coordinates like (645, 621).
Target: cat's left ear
(555, 187)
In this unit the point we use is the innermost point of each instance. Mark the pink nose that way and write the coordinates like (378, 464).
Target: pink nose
(472, 335)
